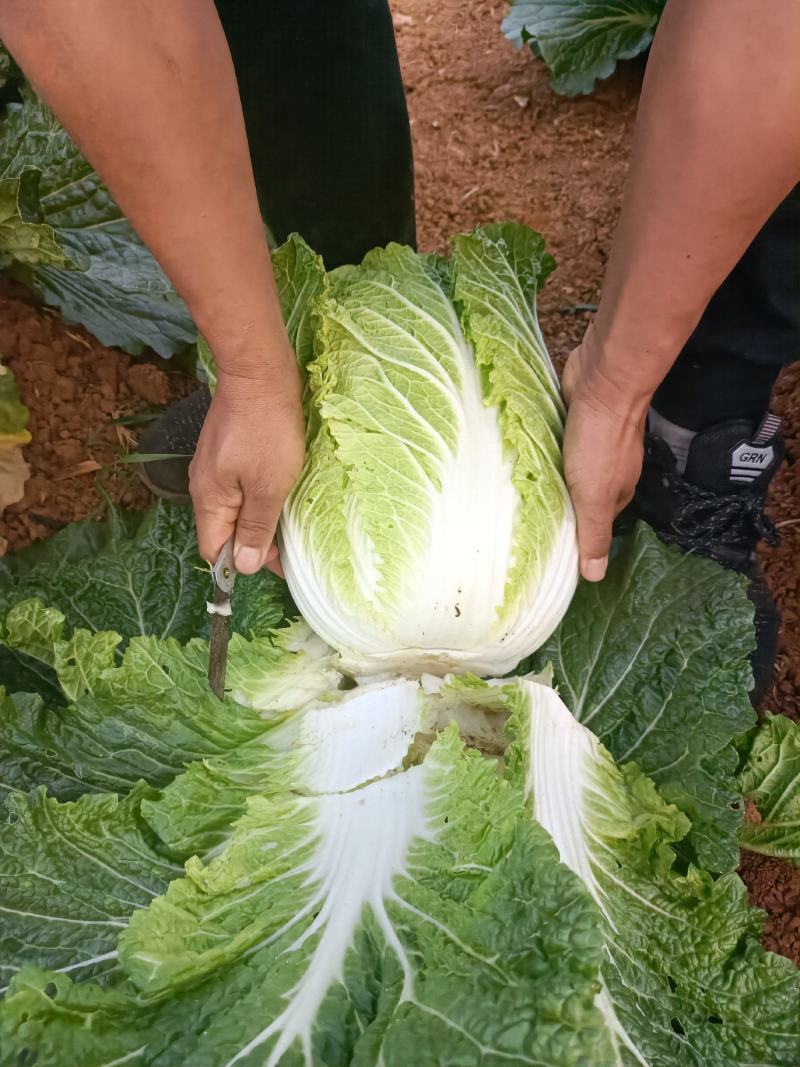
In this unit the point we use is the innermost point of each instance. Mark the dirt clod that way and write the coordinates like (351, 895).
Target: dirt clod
(775, 886)
(74, 387)
(148, 383)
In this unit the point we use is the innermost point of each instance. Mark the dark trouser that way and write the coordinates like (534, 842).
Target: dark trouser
(750, 329)
(331, 148)
(326, 120)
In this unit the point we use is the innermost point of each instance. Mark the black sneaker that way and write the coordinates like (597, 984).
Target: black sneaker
(175, 432)
(716, 508)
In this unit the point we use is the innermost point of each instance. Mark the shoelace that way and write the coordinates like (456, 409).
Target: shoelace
(707, 518)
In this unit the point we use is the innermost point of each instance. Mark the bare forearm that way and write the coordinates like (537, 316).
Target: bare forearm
(717, 147)
(147, 90)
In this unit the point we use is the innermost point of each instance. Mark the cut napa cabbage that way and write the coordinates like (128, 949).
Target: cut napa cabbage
(431, 529)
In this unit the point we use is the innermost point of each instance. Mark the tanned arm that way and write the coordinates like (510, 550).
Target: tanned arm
(148, 92)
(716, 149)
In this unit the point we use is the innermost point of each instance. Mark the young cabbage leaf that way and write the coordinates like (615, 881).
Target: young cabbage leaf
(49, 1020)
(770, 780)
(582, 40)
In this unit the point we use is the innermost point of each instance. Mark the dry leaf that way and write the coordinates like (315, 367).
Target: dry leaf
(126, 437)
(88, 466)
(79, 339)
(14, 473)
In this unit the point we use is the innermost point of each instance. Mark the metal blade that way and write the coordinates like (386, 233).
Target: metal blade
(224, 574)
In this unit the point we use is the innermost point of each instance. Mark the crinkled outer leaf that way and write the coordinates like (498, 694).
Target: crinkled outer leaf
(143, 578)
(193, 815)
(130, 319)
(118, 291)
(260, 603)
(654, 661)
(582, 40)
(770, 779)
(29, 730)
(24, 236)
(70, 875)
(685, 980)
(421, 915)
(136, 574)
(149, 714)
(48, 1020)
(153, 714)
(19, 671)
(101, 743)
(78, 661)
(275, 673)
(431, 528)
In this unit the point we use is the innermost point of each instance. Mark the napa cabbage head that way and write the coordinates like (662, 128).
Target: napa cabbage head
(431, 529)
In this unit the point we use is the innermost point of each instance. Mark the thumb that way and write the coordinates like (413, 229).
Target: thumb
(595, 518)
(215, 517)
(255, 532)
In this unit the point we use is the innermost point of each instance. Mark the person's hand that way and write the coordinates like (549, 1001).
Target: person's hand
(248, 457)
(603, 449)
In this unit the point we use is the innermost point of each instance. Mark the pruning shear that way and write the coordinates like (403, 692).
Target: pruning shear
(223, 574)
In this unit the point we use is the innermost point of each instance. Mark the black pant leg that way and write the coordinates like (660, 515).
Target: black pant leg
(326, 120)
(750, 329)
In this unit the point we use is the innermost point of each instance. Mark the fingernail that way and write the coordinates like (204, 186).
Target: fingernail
(247, 559)
(594, 570)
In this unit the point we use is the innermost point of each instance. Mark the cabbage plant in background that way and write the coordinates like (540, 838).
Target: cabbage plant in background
(582, 40)
(770, 780)
(431, 529)
(62, 233)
